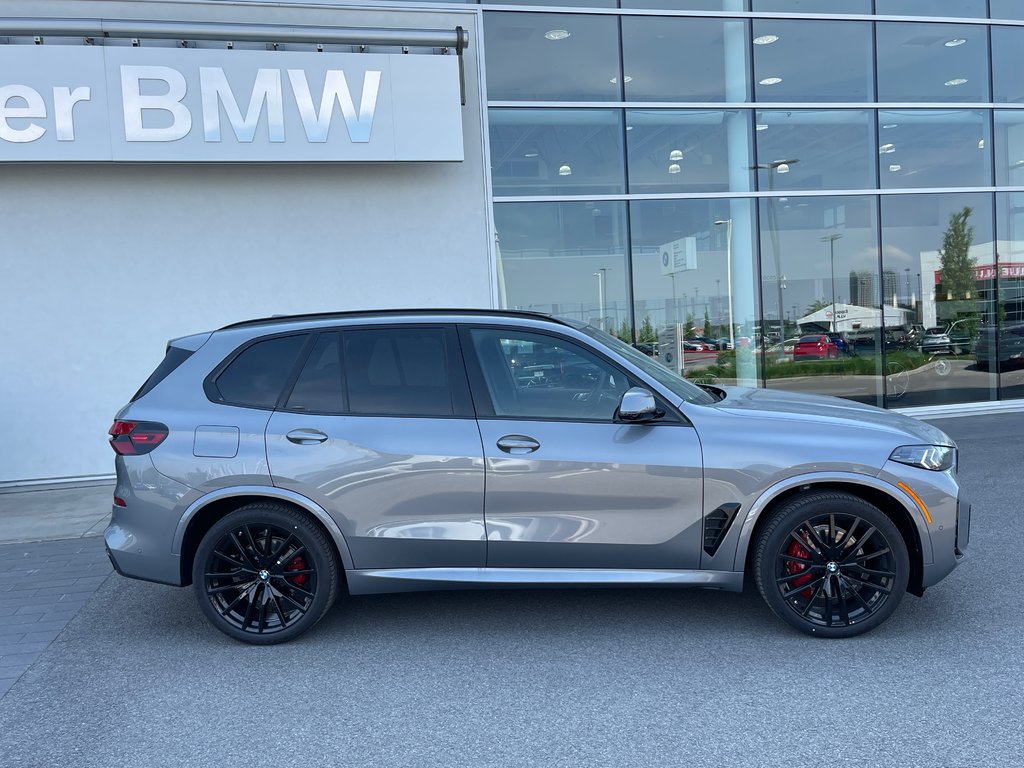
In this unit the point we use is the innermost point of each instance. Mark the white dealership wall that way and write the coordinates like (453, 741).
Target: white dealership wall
(102, 263)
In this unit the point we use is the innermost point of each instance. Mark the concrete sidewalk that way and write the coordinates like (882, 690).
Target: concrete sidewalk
(46, 514)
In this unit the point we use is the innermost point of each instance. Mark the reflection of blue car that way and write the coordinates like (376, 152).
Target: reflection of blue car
(840, 341)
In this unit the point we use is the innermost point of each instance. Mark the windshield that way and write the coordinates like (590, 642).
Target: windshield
(679, 386)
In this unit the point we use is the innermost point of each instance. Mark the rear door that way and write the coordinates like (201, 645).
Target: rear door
(378, 428)
(568, 486)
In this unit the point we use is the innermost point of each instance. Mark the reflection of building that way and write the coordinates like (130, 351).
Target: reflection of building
(864, 288)
(851, 317)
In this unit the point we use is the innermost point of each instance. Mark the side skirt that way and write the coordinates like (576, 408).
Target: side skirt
(373, 581)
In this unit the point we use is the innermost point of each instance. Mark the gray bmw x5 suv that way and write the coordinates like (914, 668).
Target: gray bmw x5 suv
(275, 463)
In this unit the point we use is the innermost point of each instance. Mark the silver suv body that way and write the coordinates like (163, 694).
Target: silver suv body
(274, 463)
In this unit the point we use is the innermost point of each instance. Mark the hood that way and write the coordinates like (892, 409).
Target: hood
(822, 409)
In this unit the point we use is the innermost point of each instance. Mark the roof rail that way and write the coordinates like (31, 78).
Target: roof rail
(313, 316)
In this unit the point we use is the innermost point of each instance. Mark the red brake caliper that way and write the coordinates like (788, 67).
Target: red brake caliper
(298, 564)
(795, 550)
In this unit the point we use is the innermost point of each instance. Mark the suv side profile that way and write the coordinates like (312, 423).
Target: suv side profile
(274, 463)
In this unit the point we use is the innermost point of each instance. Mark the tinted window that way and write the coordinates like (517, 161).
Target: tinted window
(175, 356)
(398, 371)
(318, 388)
(258, 374)
(530, 375)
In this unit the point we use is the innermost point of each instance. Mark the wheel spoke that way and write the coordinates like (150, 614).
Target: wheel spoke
(810, 602)
(248, 609)
(241, 549)
(815, 554)
(844, 611)
(832, 530)
(869, 572)
(863, 602)
(856, 546)
(227, 587)
(819, 581)
(828, 602)
(869, 585)
(798, 574)
(300, 590)
(261, 616)
(292, 556)
(300, 606)
(235, 602)
(289, 574)
(867, 556)
(282, 545)
(814, 533)
(793, 559)
(228, 558)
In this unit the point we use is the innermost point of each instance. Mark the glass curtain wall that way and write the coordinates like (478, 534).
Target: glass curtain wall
(808, 203)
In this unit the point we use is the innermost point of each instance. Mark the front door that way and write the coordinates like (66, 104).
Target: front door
(567, 486)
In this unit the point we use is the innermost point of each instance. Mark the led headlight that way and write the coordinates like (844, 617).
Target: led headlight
(935, 457)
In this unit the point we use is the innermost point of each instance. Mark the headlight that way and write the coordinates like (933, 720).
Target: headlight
(935, 457)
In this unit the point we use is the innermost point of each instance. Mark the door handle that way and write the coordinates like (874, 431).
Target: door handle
(306, 436)
(517, 444)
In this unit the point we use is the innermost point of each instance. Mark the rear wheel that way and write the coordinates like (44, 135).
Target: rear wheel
(831, 565)
(265, 574)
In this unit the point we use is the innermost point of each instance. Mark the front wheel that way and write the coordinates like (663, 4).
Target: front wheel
(831, 565)
(265, 574)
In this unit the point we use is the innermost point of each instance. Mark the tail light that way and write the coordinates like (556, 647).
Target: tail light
(134, 438)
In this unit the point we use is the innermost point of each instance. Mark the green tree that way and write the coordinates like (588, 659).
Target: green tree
(958, 283)
(707, 322)
(818, 305)
(625, 331)
(647, 333)
(690, 330)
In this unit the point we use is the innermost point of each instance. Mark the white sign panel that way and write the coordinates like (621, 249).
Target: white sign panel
(80, 104)
(679, 256)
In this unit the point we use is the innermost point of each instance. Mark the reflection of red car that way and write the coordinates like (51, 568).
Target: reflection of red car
(815, 348)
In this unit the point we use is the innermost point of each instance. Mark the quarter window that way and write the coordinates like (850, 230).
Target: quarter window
(318, 388)
(257, 375)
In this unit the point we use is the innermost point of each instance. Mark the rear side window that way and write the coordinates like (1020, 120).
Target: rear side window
(398, 371)
(175, 356)
(258, 374)
(319, 388)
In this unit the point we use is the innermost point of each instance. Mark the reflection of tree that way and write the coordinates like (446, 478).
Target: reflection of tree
(690, 330)
(707, 322)
(817, 306)
(647, 334)
(957, 265)
(625, 331)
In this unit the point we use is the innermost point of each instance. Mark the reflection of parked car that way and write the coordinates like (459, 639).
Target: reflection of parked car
(935, 342)
(647, 348)
(960, 341)
(1011, 347)
(873, 340)
(816, 347)
(840, 341)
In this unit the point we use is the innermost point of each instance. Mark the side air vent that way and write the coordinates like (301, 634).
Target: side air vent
(716, 525)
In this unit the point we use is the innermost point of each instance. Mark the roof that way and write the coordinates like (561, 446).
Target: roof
(384, 313)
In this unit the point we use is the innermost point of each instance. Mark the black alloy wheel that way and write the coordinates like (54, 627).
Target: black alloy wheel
(831, 565)
(265, 574)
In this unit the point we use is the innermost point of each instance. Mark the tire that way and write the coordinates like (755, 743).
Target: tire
(265, 574)
(815, 580)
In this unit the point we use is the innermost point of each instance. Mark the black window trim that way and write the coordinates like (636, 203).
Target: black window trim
(482, 396)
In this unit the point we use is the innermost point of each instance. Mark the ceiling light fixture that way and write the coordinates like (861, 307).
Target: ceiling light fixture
(565, 170)
(954, 42)
(770, 81)
(782, 168)
(981, 143)
(532, 154)
(625, 79)
(675, 154)
(891, 125)
(674, 168)
(895, 167)
(956, 81)
(765, 39)
(761, 127)
(886, 149)
(556, 34)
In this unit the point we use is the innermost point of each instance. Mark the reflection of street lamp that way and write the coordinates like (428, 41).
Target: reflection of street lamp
(780, 166)
(728, 276)
(600, 275)
(831, 240)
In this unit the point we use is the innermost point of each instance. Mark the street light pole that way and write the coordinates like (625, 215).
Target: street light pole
(781, 166)
(600, 275)
(831, 239)
(728, 276)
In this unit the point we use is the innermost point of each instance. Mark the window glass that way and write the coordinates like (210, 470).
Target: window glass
(934, 148)
(258, 374)
(815, 149)
(563, 3)
(551, 56)
(531, 375)
(813, 6)
(318, 388)
(938, 270)
(694, 285)
(812, 60)
(1007, 285)
(932, 62)
(688, 150)
(964, 9)
(687, 5)
(684, 59)
(397, 371)
(1006, 9)
(568, 259)
(1007, 63)
(556, 151)
(1009, 147)
(819, 258)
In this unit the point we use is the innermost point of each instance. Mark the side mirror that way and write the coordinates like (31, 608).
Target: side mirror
(638, 406)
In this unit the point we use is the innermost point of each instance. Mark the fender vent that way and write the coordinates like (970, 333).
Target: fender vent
(716, 525)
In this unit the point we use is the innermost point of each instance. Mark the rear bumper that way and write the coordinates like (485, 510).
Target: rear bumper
(137, 559)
